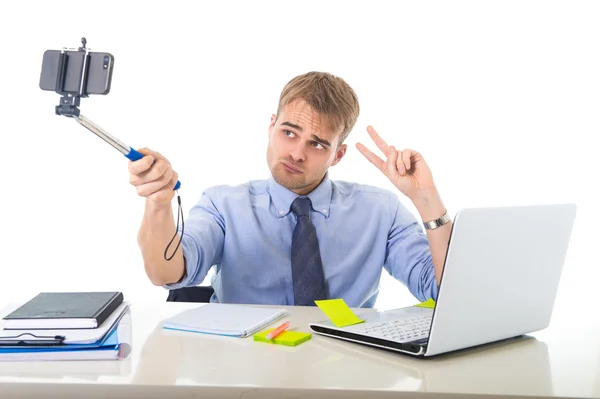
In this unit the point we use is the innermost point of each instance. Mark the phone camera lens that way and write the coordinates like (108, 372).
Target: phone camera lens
(106, 59)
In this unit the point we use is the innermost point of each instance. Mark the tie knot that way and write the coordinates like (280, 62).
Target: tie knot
(301, 206)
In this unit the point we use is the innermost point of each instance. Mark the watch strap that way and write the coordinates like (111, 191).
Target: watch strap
(434, 224)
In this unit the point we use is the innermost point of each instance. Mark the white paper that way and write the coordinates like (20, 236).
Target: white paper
(224, 319)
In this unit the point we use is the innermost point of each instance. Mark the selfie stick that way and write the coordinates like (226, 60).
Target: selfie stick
(69, 104)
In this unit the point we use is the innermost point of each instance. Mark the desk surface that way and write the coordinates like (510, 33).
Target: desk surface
(561, 361)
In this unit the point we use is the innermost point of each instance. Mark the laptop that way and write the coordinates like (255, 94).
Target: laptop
(500, 279)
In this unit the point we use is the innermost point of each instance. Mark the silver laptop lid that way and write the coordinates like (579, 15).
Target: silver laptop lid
(501, 274)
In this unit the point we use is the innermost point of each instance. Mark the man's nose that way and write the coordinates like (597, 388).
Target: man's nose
(297, 152)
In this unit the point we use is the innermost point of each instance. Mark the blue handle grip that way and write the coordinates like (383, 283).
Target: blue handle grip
(135, 155)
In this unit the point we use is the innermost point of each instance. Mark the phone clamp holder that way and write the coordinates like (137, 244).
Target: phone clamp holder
(70, 101)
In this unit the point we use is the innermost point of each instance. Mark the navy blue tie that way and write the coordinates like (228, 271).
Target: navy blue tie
(307, 267)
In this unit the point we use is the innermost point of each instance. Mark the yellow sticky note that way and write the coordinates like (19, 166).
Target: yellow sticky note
(338, 312)
(288, 338)
(430, 303)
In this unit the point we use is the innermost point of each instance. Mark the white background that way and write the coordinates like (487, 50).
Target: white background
(502, 99)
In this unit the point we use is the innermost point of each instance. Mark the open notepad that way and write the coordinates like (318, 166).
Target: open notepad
(224, 319)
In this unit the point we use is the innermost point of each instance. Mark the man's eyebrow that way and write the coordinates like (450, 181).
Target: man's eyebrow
(290, 124)
(315, 137)
(322, 141)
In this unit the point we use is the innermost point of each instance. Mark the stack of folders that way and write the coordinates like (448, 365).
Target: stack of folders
(67, 326)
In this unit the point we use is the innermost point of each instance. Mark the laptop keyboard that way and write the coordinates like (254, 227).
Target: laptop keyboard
(404, 329)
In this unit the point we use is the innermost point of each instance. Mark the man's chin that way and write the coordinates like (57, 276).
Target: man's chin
(289, 182)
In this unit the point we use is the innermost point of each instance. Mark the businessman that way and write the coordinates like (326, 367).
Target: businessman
(298, 236)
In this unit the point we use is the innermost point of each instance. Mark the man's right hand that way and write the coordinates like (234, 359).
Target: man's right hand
(153, 177)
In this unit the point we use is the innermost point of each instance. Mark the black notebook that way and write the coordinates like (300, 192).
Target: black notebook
(64, 310)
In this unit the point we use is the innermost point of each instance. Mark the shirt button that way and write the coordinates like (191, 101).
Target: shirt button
(281, 212)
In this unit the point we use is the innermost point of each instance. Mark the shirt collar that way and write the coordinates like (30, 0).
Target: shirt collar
(282, 197)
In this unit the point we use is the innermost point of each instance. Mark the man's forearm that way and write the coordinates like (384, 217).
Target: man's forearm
(156, 231)
(430, 207)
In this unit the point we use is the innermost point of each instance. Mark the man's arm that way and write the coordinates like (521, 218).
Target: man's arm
(430, 207)
(408, 255)
(157, 229)
(154, 179)
(409, 172)
(201, 241)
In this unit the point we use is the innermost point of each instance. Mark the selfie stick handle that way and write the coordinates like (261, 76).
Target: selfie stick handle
(129, 152)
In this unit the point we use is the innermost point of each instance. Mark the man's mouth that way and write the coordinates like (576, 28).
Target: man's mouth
(291, 168)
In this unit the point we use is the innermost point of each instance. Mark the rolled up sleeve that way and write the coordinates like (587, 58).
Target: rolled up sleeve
(408, 256)
(201, 242)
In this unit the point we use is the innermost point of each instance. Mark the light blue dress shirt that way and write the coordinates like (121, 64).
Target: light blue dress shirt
(245, 232)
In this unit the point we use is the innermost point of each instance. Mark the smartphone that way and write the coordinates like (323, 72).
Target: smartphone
(99, 72)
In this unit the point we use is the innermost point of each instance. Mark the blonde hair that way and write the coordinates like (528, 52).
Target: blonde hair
(328, 95)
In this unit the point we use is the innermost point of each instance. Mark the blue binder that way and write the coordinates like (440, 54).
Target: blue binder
(114, 344)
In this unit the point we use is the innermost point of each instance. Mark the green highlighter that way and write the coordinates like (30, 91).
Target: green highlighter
(287, 338)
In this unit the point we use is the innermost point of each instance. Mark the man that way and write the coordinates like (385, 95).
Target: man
(299, 236)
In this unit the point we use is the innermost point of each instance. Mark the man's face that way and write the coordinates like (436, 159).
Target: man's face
(301, 148)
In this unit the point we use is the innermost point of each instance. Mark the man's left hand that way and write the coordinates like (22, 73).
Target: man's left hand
(406, 169)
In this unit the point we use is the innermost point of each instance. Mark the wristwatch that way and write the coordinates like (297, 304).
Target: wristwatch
(434, 224)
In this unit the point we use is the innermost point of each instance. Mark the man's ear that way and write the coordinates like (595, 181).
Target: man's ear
(339, 154)
(271, 125)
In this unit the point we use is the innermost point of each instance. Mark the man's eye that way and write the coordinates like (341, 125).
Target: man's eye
(317, 145)
(288, 133)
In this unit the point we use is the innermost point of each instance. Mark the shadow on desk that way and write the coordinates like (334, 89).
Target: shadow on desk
(519, 364)
(171, 356)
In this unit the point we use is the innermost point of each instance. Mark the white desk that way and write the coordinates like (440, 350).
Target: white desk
(562, 361)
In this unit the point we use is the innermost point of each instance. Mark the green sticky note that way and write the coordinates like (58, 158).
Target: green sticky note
(338, 312)
(288, 338)
(430, 303)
